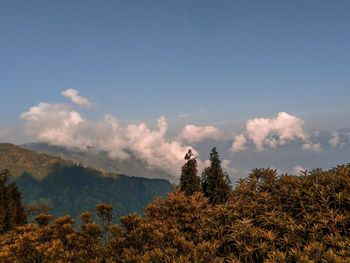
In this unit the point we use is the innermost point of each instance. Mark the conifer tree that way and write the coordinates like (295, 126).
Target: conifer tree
(215, 183)
(11, 209)
(189, 181)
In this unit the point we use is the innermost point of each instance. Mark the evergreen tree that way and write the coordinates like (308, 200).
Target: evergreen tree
(215, 183)
(189, 181)
(11, 209)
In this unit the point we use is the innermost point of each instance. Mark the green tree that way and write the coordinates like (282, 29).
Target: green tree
(189, 181)
(11, 209)
(215, 183)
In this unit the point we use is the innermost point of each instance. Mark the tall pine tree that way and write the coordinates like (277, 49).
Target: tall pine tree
(215, 183)
(11, 209)
(189, 181)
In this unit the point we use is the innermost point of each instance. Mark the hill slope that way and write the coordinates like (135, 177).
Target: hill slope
(19, 160)
(72, 189)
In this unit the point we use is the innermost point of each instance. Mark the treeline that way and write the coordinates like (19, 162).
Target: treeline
(265, 218)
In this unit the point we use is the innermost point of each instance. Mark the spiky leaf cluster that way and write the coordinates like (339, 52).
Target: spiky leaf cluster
(287, 218)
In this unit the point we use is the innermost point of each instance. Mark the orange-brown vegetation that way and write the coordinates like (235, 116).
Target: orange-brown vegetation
(267, 218)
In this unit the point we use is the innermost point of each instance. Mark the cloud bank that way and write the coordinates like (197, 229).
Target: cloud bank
(59, 124)
(62, 125)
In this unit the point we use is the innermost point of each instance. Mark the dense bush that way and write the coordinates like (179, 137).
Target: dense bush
(267, 218)
(286, 218)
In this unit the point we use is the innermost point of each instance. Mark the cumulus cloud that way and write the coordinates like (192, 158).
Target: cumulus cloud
(312, 146)
(334, 141)
(239, 143)
(76, 99)
(193, 134)
(54, 123)
(152, 146)
(337, 139)
(269, 133)
(61, 125)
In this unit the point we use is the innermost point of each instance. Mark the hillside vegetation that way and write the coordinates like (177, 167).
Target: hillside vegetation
(264, 218)
(19, 160)
(75, 189)
(69, 188)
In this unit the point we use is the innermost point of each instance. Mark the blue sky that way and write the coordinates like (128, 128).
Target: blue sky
(215, 63)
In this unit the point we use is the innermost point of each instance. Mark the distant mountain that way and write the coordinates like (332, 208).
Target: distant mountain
(100, 161)
(71, 189)
(19, 160)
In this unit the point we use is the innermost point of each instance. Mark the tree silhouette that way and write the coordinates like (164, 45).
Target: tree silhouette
(189, 181)
(11, 209)
(215, 183)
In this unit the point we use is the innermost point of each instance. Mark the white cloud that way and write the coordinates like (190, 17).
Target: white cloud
(54, 123)
(59, 124)
(239, 143)
(298, 169)
(73, 95)
(338, 140)
(193, 134)
(152, 147)
(312, 147)
(276, 131)
(334, 141)
(269, 133)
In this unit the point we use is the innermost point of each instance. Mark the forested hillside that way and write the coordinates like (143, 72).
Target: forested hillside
(69, 188)
(19, 160)
(73, 190)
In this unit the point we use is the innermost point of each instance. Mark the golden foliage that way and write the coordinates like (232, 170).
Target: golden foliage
(268, 218)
